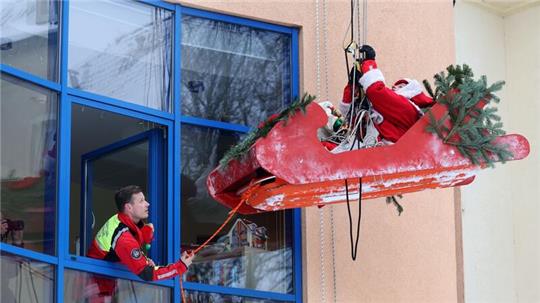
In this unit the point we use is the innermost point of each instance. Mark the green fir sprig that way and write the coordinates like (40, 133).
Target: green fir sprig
(473, 127)
(243, 147)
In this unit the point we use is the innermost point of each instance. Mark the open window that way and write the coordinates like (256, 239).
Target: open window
(115, 152)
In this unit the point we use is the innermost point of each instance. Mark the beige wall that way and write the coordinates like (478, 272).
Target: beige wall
(500, 210)
(411, 258)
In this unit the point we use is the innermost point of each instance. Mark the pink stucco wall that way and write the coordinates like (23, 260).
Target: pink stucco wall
(410, 258)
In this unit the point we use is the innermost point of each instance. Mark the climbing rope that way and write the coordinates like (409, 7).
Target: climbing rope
(354, 248)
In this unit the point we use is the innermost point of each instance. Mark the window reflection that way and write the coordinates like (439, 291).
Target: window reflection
(253, 251)
(82, 287)
(24, 280)
(28, 164)
(29, 36)
(233, 73)
(126, 53)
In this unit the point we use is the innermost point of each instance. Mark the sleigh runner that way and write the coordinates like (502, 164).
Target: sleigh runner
(290, 168)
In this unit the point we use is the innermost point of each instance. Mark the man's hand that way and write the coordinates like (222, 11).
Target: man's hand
(150, 262)
(148, 233)
(368, 52)
(187, 258)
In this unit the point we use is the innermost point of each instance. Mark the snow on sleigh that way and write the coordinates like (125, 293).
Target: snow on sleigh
(290, 168)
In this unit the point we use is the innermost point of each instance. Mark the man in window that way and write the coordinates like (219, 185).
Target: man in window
(124, 237)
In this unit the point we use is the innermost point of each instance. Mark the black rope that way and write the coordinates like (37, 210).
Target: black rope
(352, 20)
(354, 249)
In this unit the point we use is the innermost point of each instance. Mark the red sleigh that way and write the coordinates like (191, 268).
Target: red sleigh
(290, 168)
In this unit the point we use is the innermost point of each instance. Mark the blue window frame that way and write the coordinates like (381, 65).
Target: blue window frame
(63, 260)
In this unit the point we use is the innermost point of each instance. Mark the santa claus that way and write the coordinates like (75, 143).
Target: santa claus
(394, 110)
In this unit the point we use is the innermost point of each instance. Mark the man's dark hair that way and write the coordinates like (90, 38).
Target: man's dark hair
(123, 195)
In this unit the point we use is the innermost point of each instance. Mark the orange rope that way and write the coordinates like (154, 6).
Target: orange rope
(245, 196)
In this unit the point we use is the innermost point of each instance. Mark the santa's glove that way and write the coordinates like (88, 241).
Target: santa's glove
(368, 52)
(347, 97)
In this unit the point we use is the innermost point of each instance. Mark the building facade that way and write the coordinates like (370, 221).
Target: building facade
(98, 95)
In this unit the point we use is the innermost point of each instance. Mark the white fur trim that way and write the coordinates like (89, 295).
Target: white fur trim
(376, 117)
(372, 76)
(344, 107)
(413, 88)
(418, 110)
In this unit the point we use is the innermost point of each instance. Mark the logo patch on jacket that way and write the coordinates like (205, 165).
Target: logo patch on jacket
(136, 253)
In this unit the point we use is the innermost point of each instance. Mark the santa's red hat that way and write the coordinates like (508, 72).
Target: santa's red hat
(412, 90)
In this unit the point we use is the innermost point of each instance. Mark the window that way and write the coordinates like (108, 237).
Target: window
(94, 111)
(29, 36)
(238, 75)
(264, 264)
(87, 287)
(24, 280)
(233, 73)
(28, 164)
(115, 152)
(125, 53)
(193, 297)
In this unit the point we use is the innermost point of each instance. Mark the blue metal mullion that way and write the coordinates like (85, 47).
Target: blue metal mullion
(116, 110)
(64, 141)
(87, 174)
(155, 191)
(297, 250)
(242, 292)
(30, 254)
(175, 208)
(295, 65)
(133, 140)
(236, 20)
(119, 103)
(111, 272)
(297, 213)
(215, 124)
(161, 4)
(29, 77)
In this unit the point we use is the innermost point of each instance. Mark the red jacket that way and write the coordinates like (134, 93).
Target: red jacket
(120, 239)
(399, 109)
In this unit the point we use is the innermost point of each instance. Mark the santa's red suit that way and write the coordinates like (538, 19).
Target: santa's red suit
(394, 110)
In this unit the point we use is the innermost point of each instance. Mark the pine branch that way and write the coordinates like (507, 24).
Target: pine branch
(474, 125)
(262, 131)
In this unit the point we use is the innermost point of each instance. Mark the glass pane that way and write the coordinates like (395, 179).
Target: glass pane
(29, 36)
(111, 172)
(83, 287)
(194, 297)
(28, 164)
(233, 73)
(25, 280)
(253, 251)
(113, 165)
(125, 54)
